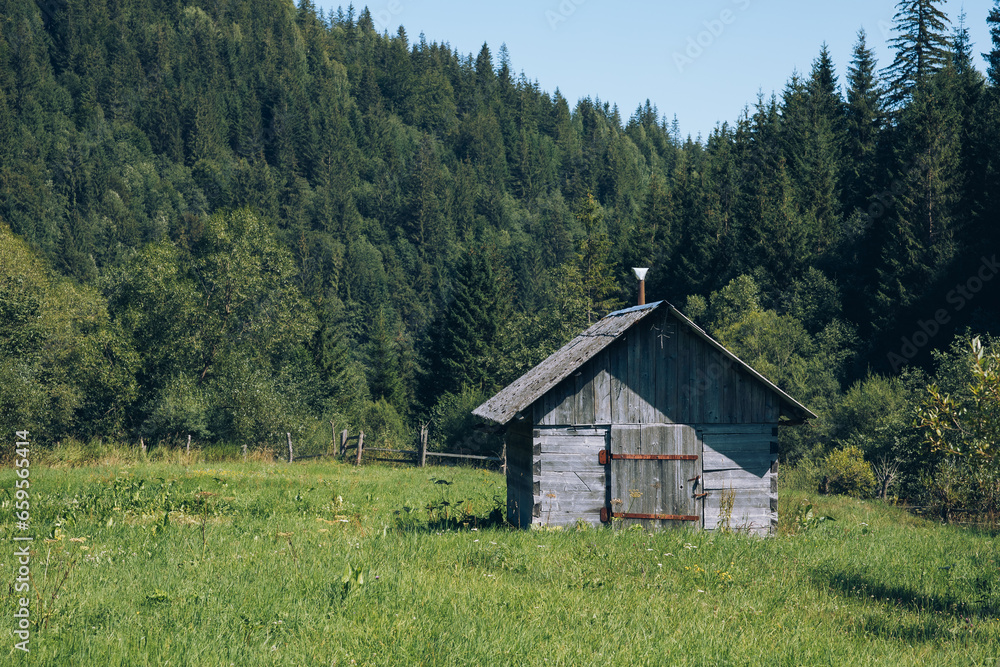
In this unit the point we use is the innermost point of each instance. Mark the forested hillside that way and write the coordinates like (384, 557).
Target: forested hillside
(235, 219)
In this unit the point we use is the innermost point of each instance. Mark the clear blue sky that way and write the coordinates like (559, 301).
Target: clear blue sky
(702, 61)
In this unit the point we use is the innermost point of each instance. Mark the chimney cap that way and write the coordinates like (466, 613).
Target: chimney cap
(640, 273)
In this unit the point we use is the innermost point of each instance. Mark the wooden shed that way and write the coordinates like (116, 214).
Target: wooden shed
(643, 418)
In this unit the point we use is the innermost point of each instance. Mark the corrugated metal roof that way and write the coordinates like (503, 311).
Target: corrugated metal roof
(531, 386)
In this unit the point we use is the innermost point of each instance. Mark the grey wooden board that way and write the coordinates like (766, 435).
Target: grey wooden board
(647, 373)
(602, 389)
(568, 443)
(758, 464)
(567, 519)
(519, 481)
(591, 503)
(756, 519)
(621, 438)
(710, 429)
(564, 497)
(719, 441)
(698, 388)
(711, 374)
(571, 463)
(618, 363)
(665, 353)
(633, 413)
(683, 377)
(560, 482)
(743, 500)
(571, 431)
(736, 479)
(582, 450)
(564, 410)
(583, 407)
(739, 509)
(741, 387)
(517, 471)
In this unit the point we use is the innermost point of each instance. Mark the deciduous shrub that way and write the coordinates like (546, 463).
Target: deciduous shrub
(846, 471)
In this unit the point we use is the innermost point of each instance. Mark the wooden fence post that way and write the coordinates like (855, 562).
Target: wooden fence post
(343, 442)
(503, 465)
(423, 445)
(142, 443)
(290, 456)
(244, 451)
(361, 444)
(333, 434)
(189, 444)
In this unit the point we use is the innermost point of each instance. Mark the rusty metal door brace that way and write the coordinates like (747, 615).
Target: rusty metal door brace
(603, 457)
(607, 516)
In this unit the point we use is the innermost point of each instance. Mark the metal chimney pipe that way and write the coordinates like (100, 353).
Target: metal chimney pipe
(641, 275)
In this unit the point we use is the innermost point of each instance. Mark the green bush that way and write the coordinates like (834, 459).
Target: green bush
(846, 472)
(960, 486)
(453, 426)
(384, 427)
(802, 476)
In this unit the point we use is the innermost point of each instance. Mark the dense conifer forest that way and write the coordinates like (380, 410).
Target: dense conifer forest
(234, 219)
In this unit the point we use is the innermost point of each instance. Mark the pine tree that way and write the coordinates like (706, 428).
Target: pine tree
(333, 360)
(815, 161)
(864, 124)
(771, 235)
(824, 91)
(384, 379)
(864, 121)
(593, 260)
(922, 47)
(993, 57)
(921, 225)
(469, 332)
(971, 108)
(691, 267)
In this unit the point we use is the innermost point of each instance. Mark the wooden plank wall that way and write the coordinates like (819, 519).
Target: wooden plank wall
(740, 460)
(658, 372)
(569, 481)
(520, 498)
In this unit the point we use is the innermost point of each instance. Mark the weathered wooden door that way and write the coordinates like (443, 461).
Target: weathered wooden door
(655, 478)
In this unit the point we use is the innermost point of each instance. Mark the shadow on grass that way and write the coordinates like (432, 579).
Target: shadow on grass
(446, 516)
(987, 530)
(954, 610)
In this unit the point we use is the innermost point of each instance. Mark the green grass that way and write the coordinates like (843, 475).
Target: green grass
(248, 569)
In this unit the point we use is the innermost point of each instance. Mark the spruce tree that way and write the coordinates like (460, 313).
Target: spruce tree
(864, 124)
(384, 379)
(815, 163)
(772, 234)
(971, 107)
(922, 47)
(921, 225)
(593, 259)
(864, 119)
(469, 331)
(993, 57)
(691, 267)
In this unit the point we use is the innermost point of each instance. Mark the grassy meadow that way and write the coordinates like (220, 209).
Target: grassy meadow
(189, 562)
